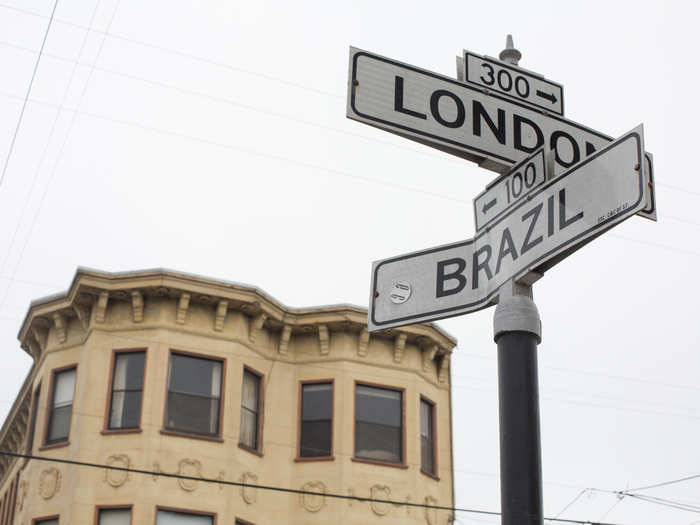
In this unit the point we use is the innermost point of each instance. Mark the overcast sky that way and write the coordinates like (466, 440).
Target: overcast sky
(211, 137)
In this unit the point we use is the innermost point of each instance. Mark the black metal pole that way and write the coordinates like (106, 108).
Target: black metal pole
(517, 331)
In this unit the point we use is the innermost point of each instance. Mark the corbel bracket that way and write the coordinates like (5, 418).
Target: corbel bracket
(399, 346)
(221, 311)
(285, 336)
(182, 306)
(323, 339)
(362, 343)
(137, 306)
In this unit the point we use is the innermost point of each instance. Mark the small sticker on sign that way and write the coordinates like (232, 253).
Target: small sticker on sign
(400, 292)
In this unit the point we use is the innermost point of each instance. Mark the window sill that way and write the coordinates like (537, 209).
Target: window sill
(300, 459)
(433, 476)
(380, 463)
(175, 433)
(251, 450)
(54, 445)
(108, 431)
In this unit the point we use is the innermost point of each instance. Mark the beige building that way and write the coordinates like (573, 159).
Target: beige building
(172, 373)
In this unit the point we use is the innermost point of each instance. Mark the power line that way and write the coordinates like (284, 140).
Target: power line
(26, 98)
(274, 487)
(664, 483)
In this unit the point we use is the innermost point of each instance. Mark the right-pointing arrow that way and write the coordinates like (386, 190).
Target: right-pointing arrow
(486, 207)
(548, 96)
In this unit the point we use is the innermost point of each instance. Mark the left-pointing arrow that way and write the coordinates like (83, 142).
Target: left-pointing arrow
(489, 205)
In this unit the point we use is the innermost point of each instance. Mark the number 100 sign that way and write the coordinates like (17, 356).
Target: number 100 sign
(508, 190)
(515, 82)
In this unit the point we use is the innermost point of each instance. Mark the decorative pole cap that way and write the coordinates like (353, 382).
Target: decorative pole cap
(510, 54)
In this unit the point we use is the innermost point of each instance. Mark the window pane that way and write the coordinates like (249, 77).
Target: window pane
(128, 371)
(166, 517)
(48, 522)
(126, 410)
(426, 455)
(425, 419)
(315, 438)
(195, 375)
(59, 424)
(191, 413)
(63, 387)
(249, 428)
(377, 442)
(115, 517)
(251, 391)
(316, 401)
(378, 405)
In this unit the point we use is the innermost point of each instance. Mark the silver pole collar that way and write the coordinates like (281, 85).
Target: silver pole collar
(516, 311)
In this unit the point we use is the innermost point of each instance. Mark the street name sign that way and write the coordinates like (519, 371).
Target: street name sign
(555, 220)
(506, 191)
(514, 82)
(491, 129)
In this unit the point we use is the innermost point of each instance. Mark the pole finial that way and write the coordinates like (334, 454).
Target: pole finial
(510, 54)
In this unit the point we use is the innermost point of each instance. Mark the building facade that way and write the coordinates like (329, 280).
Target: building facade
(159, 373)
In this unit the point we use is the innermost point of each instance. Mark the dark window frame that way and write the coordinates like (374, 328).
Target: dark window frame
(110, 391)
(302, 383)
(49, 408)
(99, 508)
(400, 464)
(212, 515)
(433, 436)
(258, 450)
(193, 435)
(33, 418)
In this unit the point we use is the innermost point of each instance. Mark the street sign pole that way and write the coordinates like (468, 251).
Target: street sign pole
(517, 330)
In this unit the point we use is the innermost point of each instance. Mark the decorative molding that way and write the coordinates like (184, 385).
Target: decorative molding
(444, 369)
(116, 478)
(22, 491)
(284, 339)
(59, 323)
(351, 493)
(363, 343)
(430, 514)
(34, 348)
(82, 312)
(191, 468)
(156, 471)
(313, 502)
(399, 346)
(49, 482)
(323, 339)
(182, 306)
(249, 494)
(101, 307)
(379, 491)
(408, 507)
(137, 306)
(41, 335)
(221, 477)
(428, 356)
(221, 311)
(256, 325)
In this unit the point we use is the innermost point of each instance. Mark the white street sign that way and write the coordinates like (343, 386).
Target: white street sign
(558, 218)
(514, 82)
(508, 190)
(493, 130)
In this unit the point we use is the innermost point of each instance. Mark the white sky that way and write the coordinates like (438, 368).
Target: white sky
(211, 138)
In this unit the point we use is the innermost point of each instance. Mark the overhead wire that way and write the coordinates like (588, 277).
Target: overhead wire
(665, 483)
(274, 488)
(26, 97)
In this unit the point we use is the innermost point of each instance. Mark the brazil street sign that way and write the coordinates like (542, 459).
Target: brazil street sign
(492, 129)
(507, 190)
(513, 81)
(555, 220)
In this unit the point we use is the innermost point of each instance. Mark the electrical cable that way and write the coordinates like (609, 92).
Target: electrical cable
(273, 487)
(664, 483)
(26, 98)
(566, 507)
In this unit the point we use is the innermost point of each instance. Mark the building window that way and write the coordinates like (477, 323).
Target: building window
(45, 521)
(114, 517)
(251, 413)
(378, 424)
(127, 387)
(169, 517)
(427, 437)
(194, 395)
(316, 425)
(60, 406)
(32, 420)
